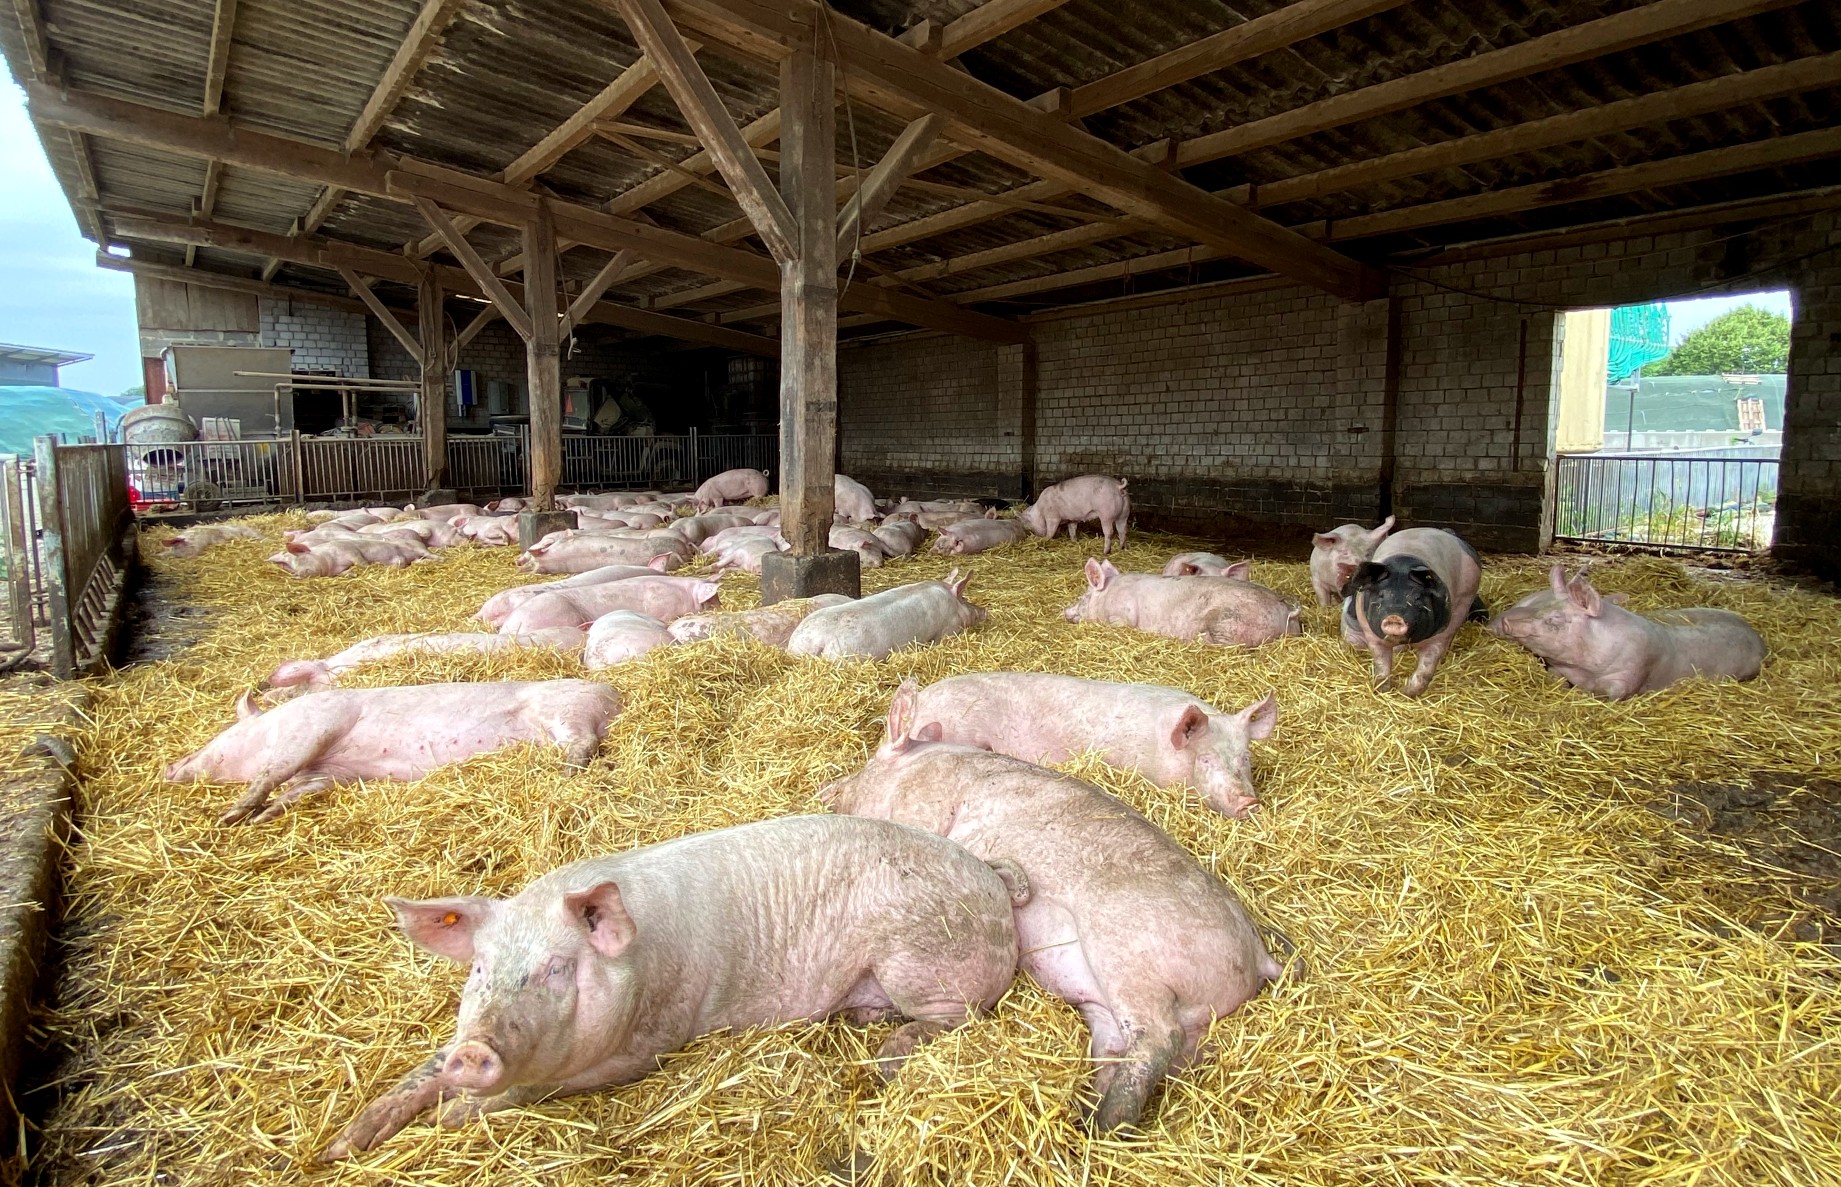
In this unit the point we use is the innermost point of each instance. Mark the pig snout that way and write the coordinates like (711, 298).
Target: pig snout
(1394, 627)
(475, 1066)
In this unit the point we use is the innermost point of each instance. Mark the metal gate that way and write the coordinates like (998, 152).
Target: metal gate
(1711, 503)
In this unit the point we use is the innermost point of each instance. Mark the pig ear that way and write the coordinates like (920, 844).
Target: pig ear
(707, 592)
(1366, 574)
(1423, 575)
(1189, 727)
(1585, 597)
(1239, 571)
(1380, 533)
(246, 705)
(1260, 716)
(958, 586)
(603, 912)
(1557, 579)
(1096, 576)
(659, 562)
(1324, 540)
(444, 926)
(933, 731)
(901, 713)
(296, 548)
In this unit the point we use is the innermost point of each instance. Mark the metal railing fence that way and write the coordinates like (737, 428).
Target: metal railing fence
(27, 604)
(1716, 504)
(87, 533)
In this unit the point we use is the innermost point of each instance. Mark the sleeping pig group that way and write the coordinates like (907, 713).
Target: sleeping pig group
(593, 972)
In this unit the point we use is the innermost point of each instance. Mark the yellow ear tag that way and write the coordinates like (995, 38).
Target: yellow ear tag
(450, 919)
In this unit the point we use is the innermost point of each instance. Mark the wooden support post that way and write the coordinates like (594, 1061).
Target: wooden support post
(543, 357)
(808, 352)
(432, 318)
(808, 296)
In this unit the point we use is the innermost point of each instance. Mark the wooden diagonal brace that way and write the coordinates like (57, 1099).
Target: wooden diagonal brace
(379, 310)
(478, 269)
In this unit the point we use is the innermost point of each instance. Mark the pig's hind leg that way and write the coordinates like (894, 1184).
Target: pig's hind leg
(917, 992)
(1154, 1038)
(289, 757)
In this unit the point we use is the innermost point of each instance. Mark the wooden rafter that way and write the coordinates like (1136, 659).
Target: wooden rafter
(700, 105)
(989, 21)
(885, 178)
(218, 280)
(398, 330)
(893, 76)
(592, 291)
(514, 314)
(217, 65)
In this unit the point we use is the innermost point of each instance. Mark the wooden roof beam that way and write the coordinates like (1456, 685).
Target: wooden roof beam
(691, 90)
(398, 330)
(509, 307)
(1593, 39)
(989, 21)
(219, 280)
(893, 76)
(217, 65)
(884, 179)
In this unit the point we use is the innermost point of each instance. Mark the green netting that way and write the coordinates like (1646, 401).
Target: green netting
(1639, 335)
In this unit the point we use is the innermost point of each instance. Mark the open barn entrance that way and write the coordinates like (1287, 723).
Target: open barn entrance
(1671, 422)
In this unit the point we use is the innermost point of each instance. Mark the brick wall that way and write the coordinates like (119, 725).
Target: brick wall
(1276, 404)
(322, 337)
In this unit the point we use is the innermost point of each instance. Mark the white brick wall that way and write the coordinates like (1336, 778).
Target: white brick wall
(320, 335)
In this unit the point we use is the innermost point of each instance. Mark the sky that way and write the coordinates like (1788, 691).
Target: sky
(51, 292)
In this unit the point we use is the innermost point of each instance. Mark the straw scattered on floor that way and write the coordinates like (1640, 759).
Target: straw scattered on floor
(1513, 970)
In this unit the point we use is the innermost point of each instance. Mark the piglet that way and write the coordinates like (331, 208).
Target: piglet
(663, 598)
(745, 555)
(1418, 590)
(868, 548)
(597, 970)
(1079, 500)
(852, 500)
(623, 635)
(1206, 564)
(971, 536)
(872, 627)
(772, 625)
(900, 537)
(1221, 610)
(1335, 555)
(1172, 738)
(195, 540)
(731, 486)
(579, 552)
(500, 605)
(1590, 641)
(490, 531)
(1120, 921)
(342, 735)
(324, 673)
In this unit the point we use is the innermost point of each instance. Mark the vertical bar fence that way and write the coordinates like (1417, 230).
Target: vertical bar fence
(1713, 504)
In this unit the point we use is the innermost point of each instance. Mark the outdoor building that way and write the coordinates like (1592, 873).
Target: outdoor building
(34, 366)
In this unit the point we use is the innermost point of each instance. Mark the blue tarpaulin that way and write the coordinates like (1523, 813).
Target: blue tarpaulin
(1639, 336)
(28, 412)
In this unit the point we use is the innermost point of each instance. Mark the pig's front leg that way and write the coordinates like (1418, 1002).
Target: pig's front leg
(413, 1095)
(1381, 665)
(1430, 653)
(302, 785)
(622, 1069)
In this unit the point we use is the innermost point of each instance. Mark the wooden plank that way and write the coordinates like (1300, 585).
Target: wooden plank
(37, 42)
(1700, 98)
(217, 65)
(808, 294)
(237, 284)
(592, 291)
(706, 292)
(1593, 39)
(1079, 276)
(990, 20)
(478, 269)
(1628, 179)
(542, 350)
(893, 76)
(1262, 35)
(764, 130)
(691, 90)
(885, 178)
(431, 318)
(397, 330)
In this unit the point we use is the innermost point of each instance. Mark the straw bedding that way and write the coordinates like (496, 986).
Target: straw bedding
(1511, 969)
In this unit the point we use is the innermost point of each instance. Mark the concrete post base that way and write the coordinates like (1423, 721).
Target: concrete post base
(436, 496)
(785, 576)
(535, 525)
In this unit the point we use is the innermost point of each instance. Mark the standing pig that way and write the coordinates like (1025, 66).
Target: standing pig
(1120, 921)
(971, 536)
(772, 625)
(731, 486)
(1418, 590)
(1222, 610)
(663, 598)
(622, 635)
(579, 552)
(500, 605)
(596, 970)
(1591, 642)
(1172, 738)
(1206, 564)
(323, 739)
(1077, 500)
(852, 500)
(1337, 553)
(872, 627)
(324, 673)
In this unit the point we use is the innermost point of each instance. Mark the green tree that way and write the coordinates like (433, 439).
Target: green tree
(1748, 339)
